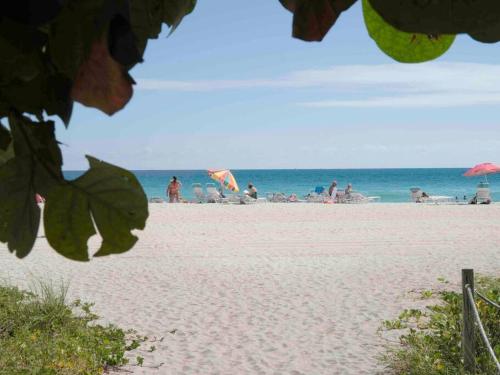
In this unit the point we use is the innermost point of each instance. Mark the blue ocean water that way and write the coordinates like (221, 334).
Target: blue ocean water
(392, 185)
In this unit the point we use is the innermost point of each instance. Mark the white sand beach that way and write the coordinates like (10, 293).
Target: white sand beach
(273, 288)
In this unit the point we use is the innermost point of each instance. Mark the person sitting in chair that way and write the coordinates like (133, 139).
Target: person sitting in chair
(252, 191)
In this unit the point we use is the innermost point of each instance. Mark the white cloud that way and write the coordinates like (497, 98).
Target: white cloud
(389, 85)
(441, 100)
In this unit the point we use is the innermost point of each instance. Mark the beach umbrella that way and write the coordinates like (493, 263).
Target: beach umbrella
(483, 169)
(225, 177)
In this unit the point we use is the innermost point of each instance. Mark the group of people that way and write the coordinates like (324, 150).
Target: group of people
(173, 190)
(333, 190)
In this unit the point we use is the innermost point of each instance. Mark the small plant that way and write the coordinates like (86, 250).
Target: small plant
(442, 280)
(41, 334)
(432, 343)
(426, 294)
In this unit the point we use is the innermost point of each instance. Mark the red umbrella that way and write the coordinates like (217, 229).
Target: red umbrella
(483, 170)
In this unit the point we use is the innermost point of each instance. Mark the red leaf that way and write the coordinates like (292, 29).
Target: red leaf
(101, 82)
(312, 19)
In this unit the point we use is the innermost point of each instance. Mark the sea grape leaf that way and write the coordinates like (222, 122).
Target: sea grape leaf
(58, 97)
(313, 19)
(27, 82)
(175, 10)
(19, 213)
(5, 138)
(109, 195)
(291, 5)
(68, 223)
(488, 34)
(31, 12)
(6, 155)
(36, 142)
(401, 46)
(72, 34)
(146, 17)
(44, 92)
(102, 82)
(122, 43)
(146, 21)
(479, 18)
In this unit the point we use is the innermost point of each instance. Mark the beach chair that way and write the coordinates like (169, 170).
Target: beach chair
(483, 193)
(213, 196)
(318, 195)
(199, 196)
(354, 198)
(277, 198)
(156, 200)
(416, 195)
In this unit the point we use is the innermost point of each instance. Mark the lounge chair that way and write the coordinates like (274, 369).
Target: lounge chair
(276, 197)
(213, 196)
(318, 195)
(199, 196)
(483, 194)
(156, 200)
(417, 196)
(354, 198)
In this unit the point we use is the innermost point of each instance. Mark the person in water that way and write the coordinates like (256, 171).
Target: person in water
(252, 191)
(173, 190)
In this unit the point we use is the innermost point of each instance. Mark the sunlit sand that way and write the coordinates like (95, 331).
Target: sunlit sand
(273, 288)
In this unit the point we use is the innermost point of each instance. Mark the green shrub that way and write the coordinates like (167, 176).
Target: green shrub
(41, 334)
(432, 343)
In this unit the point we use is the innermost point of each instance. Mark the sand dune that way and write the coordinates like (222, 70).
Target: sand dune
(276, 288)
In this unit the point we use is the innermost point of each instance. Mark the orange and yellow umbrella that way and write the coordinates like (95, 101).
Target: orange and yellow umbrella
(225, 177)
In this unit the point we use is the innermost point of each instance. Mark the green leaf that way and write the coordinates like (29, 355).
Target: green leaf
(480, 19)
(146, 17)
(401, 46)
(58, 100)
(175, 10)
(72, 33)
(109, 195)
(68, 224)
(36, 142)
(146, 21)
(313, 19)
(5, 138)
(19, 213)
(6, 155)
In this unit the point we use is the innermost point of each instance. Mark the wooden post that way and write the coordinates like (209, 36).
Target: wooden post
(468, 342)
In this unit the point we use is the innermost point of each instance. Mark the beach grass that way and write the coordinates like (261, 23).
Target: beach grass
(431, 344)
(40, 333)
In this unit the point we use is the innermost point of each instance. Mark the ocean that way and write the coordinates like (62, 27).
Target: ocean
(391, 185)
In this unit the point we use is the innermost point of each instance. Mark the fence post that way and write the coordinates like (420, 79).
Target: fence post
(468, 342)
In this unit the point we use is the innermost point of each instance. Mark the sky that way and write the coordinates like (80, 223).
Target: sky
(230, 88)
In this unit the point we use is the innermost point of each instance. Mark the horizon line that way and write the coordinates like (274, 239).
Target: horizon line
(275, 169)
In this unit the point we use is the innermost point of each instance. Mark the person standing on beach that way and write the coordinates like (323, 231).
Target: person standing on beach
(348, 190)
(173, 190)
(332, 190)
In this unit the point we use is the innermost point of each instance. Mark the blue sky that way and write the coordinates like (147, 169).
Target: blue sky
(230, 88)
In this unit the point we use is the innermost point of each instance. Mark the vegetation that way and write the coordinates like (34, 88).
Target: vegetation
(55, 52)
(41, 334)
(432, 342)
